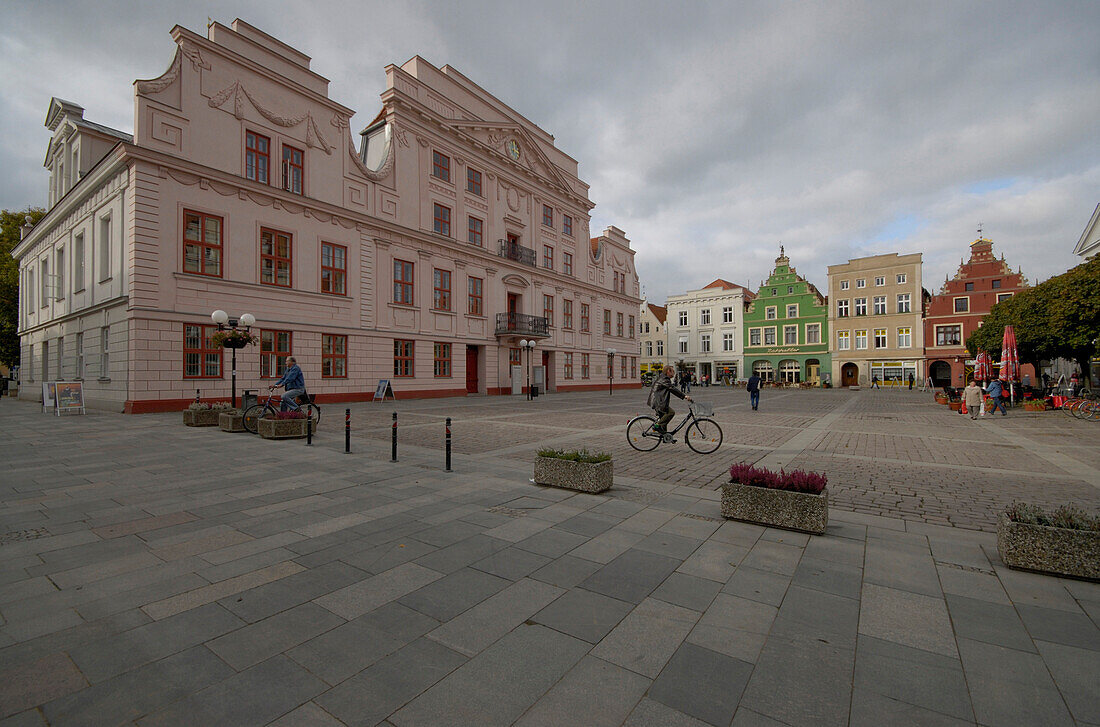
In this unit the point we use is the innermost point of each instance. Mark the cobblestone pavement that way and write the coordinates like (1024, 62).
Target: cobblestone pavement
(153, 574)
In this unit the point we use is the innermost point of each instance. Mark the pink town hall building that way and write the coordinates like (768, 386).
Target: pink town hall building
(423, 254)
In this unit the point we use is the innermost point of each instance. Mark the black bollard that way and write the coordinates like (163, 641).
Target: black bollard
(448, 445)
(196, 396)
(393, 446)
(309, 432)
(347, 431)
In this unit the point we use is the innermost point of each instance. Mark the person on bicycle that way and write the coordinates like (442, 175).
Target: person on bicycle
(659, 398)
(294, 384)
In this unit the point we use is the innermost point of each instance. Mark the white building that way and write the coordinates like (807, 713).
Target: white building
(653, 335)
(705, 328)
(1089, 244)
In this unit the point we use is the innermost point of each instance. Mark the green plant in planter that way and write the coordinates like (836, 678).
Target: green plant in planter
(205, 406)
(575, 455)
(1070, 517)
(236, 338)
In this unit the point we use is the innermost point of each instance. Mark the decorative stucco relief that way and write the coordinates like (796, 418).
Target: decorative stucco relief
(156, 85)
(237, 91)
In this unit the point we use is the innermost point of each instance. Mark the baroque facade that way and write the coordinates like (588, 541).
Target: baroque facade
(424, 256)
(705, 329)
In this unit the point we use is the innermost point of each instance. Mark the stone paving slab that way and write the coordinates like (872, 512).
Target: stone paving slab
(303, 586)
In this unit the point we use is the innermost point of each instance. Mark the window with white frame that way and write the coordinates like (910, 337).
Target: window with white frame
(790, 335)
(649, 348)
(104, 351)
(104, 248)
(962, 305)
(704, 317)
(905, 337)
(78, 263)
(861, 306)
(844, 285)
(80, 355)
(842, 309)
(880, 305)
(769, 336)
(902, 277)
(683, 318)
(754, 337)
(771, 313)
(660, 348)
(880, 338)
(1001, 297)
(792, 310)
(727, 341)
(950, 335)
(704, 343)
(861, 283)
(904, 304)
(813, 333)
(880, 280)
(843, 340)
(861, 340)
(727, 314)
(683, 344)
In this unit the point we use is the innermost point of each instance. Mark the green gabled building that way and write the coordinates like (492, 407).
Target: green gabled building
(786, 329)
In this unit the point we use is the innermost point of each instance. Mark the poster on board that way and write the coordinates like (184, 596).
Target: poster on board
(383, 388)
(48, 396)
(69, 397)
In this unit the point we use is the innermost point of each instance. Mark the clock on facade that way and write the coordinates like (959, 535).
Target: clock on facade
(513, 149)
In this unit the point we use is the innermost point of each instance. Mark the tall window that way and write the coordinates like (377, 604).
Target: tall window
(402, 358)
(880, 305)
(201, 358)
(548, 257)
(105, 351)
(790, 335)
(59, 266)
(548, 215)
(619, 325)
(880, 338)
(441, 289)
(727, 341)
(861, 306)
(727, 314)
(904, 305)
(257, 157)
(548, 309)
(567, 364)
(104, 248)
(441, 220)
(843, 340)
(274, 351)
(566, 313)
(473, 181)
(80, 355)
(704, 317)
(861, 339)
(683, 318)
(293, 169)
(606, 322)
(441, 360)
(474, 231)
(202, 245)
(704, 343)
(769, 336)
(275, 252)
(649, 348)
(905, 337)
(584, 317)
(515, 356)
(842, 309)
(660, 348)
(441, 166)
(45, 296)
(585, 369)
(334, 268)
(948, 335)
(567, 263)
(78, 263)
(402, 282)
(630, 325)
(813, 333)
(474, 301)
(754, 337)
(334, 356)
(567, 225)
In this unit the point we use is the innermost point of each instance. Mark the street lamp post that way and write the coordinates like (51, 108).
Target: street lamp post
(610, 372)
(528, 346)
(224, 322)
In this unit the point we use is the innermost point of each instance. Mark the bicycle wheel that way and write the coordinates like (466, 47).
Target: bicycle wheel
(1067, 407)
(313, 412)
(704, 436)
(639, 432)
(251, 415)
(1075, 408)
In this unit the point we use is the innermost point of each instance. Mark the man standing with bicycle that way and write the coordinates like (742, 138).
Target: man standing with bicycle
(293, 381)
(663, 387)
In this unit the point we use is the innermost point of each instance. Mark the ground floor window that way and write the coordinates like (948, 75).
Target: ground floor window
(442, 360)
(403, 358)
(568, 365)
(334, 356)
(275, 349)
(764, 370)
(893, 373)
(790, 371)
(584, 366)
(726, 370)
(201, 358)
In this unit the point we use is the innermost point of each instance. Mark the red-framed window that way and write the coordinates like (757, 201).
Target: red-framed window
(633, 367)
(403, 358)
(567, 225)
(441, 360)
(334, 268)
(514, 357)
(548, 257)
(202, 244)
(276, 249)
(548, 309)
(622, 367)
(631, 326)
(474, 228)
(585, 368)
(568, 365)
(334, 356)
(294, 168)
(441, 220)
(584, 317)
(619, 325)
(441, 166)
(402, 282)
(201, 358)
(548, 215)
(473, 181)
(275, 349)
(474, 300)
(566, 313)
(606, 322)
(441, 289)
(567, 263)
(257, 157)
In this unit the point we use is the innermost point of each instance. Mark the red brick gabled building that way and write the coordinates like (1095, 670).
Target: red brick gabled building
(958, 310)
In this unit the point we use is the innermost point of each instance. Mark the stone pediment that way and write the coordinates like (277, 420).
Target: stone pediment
(508, 140)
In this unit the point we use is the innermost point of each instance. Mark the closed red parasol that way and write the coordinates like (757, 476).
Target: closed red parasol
(1010, 360)
(983, 366)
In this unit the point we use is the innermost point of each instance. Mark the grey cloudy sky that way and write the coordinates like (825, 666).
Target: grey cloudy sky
(709, 132)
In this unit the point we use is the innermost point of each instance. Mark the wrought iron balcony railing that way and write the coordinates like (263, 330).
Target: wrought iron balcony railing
(514, 251)
(521, 324)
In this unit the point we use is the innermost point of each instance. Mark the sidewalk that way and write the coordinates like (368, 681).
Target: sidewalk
(153, 574)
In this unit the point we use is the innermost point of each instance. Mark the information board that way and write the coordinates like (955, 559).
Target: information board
(69, 397)
(384, 388)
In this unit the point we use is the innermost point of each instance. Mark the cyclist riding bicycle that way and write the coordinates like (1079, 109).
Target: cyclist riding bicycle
(659, 399)
(294, 383)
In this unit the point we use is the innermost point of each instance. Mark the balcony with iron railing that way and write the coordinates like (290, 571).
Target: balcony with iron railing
(521, 324)
(514, 251)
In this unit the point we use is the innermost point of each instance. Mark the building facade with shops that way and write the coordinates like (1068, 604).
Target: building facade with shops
(957, 311)
(705, 331)
(424, 255)
(653, 335)
(876, 305)
(787, 329)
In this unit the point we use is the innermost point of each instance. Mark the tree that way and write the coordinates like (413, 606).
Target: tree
(1074, 313)
(10, 224)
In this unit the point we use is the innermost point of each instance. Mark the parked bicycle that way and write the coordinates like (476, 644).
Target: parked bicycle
(1087, 409)
(273, 403)
(703, 434)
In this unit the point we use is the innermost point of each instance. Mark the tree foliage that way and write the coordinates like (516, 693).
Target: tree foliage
(10, 224)
(1059, 318)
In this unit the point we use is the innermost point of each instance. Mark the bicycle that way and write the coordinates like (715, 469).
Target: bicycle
(703, 434)
(1086, 409)
(257, 411)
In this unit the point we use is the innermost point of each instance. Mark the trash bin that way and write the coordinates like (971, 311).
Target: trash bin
(248, 398)
(534, 391)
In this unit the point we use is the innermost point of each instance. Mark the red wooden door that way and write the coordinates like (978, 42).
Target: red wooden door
(471, 370)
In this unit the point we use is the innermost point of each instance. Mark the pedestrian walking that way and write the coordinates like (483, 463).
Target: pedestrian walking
(912, 378)
(754, 390)
(996, 393)
(874, 382)
(972, 398)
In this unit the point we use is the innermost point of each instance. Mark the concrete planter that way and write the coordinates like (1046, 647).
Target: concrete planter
(580, 476)
(1058, 551)
(801, 511)
(281, 428)
(232, 421)
(201, 417)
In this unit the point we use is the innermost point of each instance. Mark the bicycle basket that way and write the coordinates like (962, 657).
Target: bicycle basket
(700, 409)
